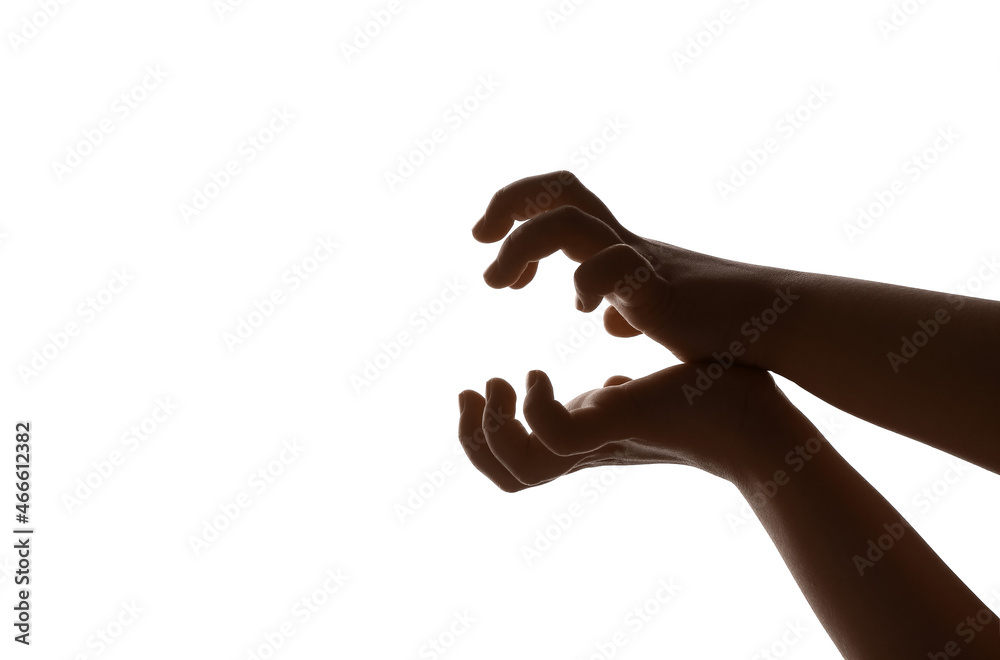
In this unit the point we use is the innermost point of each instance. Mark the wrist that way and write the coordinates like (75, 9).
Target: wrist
(767, 330)
(779, 443)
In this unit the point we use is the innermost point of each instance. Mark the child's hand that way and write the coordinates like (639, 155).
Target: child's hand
(626, 422)
(691, 303)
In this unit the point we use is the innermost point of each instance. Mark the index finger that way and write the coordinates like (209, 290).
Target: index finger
(533, 195)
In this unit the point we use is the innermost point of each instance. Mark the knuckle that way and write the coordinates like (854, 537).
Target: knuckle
(581, 277)
(659, 311)
(565, 213)
(626, 253)
(508, 487)
(511, 247)
(525, 474)
(556, 443)
(567, 178)
(498, 197)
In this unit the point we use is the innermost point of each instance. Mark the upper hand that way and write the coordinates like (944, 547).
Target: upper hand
(691, 303)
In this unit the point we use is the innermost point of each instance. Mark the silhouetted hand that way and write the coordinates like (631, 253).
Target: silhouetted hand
(741, 427)
(626, 422)
(691, 303)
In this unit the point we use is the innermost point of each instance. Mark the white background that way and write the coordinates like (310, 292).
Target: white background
(127, 538)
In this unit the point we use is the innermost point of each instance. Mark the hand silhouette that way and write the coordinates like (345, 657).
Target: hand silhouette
(626, 422)
(713, 313)
(691, 303)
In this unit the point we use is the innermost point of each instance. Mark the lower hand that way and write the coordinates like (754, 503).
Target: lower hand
(626, 422)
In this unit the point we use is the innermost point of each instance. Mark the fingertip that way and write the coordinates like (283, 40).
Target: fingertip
(531, 379)
(549, 420)
(492, 230)
(616, 325)
(467, 400)
(616, 380)
(477, 229)
(537, 378)
(489, 275)
(498, 388)
(587, 305)
(539, 386)
(526, 276)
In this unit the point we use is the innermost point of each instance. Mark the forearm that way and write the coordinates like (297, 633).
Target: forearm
(920, 363)
(878, 589)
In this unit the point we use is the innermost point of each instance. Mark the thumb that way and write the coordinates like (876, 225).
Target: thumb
(616, 325)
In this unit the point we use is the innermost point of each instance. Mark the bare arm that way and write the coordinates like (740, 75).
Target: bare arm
(876, 586)
(917, 362)
(878, 589)
(920, 363)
